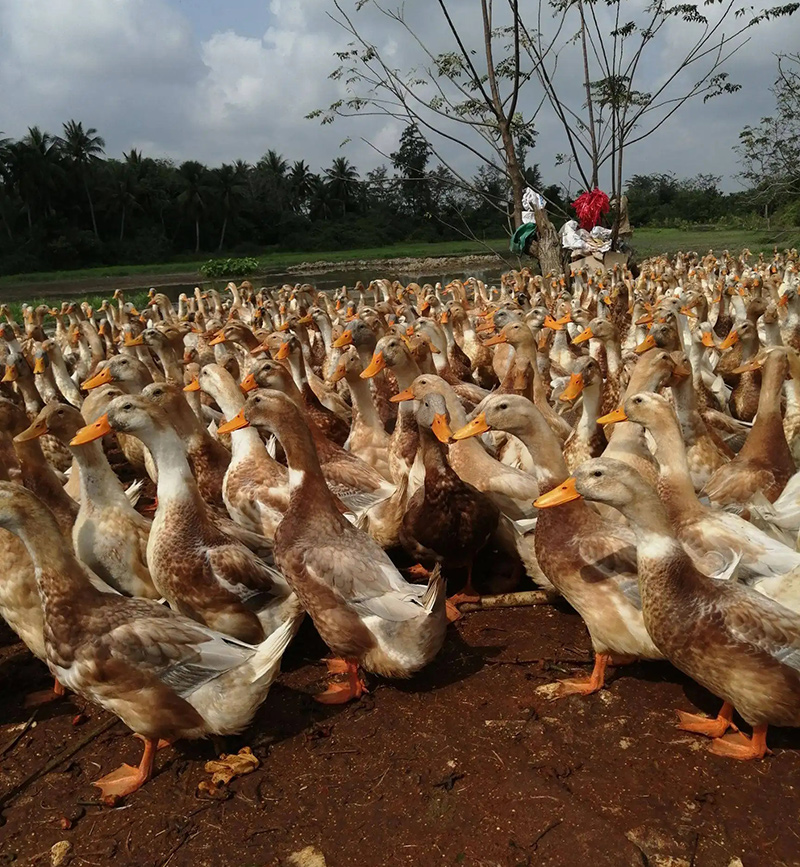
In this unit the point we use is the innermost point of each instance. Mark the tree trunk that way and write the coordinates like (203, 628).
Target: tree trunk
(549, 245)
(222, 233)
(122, 225)
(91, 207)
(197, 234)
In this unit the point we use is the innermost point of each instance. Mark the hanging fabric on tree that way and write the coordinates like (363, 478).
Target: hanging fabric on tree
(590, 207)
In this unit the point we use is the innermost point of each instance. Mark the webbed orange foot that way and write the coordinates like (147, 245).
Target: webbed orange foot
(341, 693)
(453, 613)
(701, 725)
(738, 746)
(127, 779)
(585, 685)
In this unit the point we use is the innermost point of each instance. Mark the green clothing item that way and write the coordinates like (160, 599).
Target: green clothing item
(521, 239)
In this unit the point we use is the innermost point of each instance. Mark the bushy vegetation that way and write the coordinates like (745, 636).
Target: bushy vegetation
(216, 268)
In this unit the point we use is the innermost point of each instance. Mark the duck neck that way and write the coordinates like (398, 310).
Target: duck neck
(60, 577)
(549, 467)
(175, 479)
(99, 483)
(30, 396)
(363, 405)
(406, 372)
(305, 472)
(674, 480)
(592, 400)
(298, 369)
(434, 458)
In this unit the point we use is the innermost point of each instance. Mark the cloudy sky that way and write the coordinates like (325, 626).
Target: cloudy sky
(219, 81)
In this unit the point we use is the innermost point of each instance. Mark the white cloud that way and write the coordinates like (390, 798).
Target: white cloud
(137, 71)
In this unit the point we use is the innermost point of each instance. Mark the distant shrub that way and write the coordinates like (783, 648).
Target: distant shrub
(229, 267)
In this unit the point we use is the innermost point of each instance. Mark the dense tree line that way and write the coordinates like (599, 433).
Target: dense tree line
(64, 204)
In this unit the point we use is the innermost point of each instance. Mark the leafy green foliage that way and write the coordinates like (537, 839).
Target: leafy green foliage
(216, 268)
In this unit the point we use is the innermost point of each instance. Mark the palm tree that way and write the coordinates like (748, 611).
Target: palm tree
(301, 184)
(82, 147)
(342, 181)
(34, 169)
(229, 181)
(273, 170)
(125, 188)
(193, 177)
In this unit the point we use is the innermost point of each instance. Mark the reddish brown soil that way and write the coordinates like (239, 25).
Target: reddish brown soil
(466, 764)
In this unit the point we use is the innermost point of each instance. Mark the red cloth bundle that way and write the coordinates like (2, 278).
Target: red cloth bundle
(590, 207)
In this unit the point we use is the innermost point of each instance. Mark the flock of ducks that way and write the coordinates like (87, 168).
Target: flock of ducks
(629, 441)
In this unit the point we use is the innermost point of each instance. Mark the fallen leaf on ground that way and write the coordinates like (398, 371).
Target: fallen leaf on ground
(227, 768)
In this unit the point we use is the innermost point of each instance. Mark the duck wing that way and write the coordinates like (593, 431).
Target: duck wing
(364, 578)
(183, 655)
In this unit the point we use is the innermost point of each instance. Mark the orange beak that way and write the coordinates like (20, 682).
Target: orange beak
(574, 388)
(567, 317)
(474, 428)
(92, 431)
(445, 318)
(36, 430)
(562, 494)
(586, 334)
(648, 343)
(730, 339)
(102, 378)
(219, 338)
(38, 365)
(708, 340)
(408, 394)
(248, 383)
(375, 366)
(616, 415)
(236, 423)
(345, 339)
(549, 322)
(783, 301)
(496, 340)
(283, 327)
(133, 341)
(425, 307)
(338, 373)
(441, 428)
(283, 352)
(194, 385)
(645, 320)
(305, 320)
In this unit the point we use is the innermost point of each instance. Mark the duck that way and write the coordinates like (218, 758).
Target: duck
(765, 462)
(357, 485)
(741, 646)
(365, 611)
(368, 438)
(447, 520)
(587, 559)
(758, 558)
(587, 439)
(202, 572)
(255, 487)
(109, 535)
(35, 472)
(165, 676)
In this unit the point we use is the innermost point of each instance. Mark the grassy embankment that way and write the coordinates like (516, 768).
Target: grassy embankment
(648, 242)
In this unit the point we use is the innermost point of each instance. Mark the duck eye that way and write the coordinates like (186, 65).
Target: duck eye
(597, 474)
(128, 406)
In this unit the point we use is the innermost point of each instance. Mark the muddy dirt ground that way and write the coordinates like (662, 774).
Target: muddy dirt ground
(468, 764)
